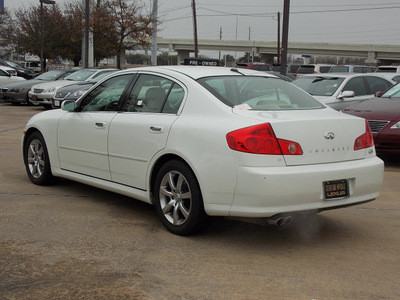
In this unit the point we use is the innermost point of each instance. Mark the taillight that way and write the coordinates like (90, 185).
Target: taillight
(365, 140)
(261, 139)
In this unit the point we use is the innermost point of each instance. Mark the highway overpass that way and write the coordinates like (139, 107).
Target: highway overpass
(373, 53)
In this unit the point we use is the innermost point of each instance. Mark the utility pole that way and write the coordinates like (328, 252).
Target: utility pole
(278, 50)
(154, 18)
(196, 46)
(220, 38)
(285, 34)
(86, 62)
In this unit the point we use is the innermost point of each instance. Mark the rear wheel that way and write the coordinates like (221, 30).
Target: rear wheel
(178, 199)
(36, 159)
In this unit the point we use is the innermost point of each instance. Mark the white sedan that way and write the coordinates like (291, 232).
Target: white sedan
(206, 141)
(8, 75)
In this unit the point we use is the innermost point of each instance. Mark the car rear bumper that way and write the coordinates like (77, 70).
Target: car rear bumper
(264, 192)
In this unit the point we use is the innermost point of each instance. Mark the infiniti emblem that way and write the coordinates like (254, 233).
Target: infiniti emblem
(329, 135)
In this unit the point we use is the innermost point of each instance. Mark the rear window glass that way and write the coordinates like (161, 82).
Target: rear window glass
(388, 70)
(319, 86)
(259, 93)
(306, 70)
(339, 69)
(324, 69)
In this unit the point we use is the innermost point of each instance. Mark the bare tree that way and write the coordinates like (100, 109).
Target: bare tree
(125, 25)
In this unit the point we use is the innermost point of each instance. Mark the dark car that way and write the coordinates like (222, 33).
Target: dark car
(17, 92)
(22, 72)
(74, 91)
(383, 116)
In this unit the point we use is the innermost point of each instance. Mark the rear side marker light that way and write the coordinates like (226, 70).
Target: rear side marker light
(261, 139)
(365, 140)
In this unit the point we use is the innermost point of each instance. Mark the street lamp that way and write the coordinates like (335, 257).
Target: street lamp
(41, 30)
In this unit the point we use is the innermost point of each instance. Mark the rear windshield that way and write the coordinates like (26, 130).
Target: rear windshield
(388, 70)
(259, 93)
(324, 69)
(306, 70)
(339, 69)
(319, 86)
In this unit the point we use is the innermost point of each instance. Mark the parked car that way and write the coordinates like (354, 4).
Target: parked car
(74, 91)
(255, 66)
(17, 92)
(206, 141)
(31, 65)
(22, 72)
(287, 77)
(352, 69)
(6, 75)
(42, 94)
(392, 76)
(383, 115)
(312, 69)
(388, 69)
(341, 90)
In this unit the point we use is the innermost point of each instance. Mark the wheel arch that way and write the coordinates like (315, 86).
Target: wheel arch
(27, 133)
(159, 163)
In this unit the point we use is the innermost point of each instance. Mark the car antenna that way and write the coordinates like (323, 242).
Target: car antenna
(237, 71)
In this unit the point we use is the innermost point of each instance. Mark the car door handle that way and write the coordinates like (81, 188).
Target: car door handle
(156, 129)
(100, 125)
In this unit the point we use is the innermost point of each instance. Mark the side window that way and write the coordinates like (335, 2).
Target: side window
(396, 78)
(154, 94)
(2, 73)
(358, 70)
(377, 84)
(174, 99)
(106, 96)
(357, 85)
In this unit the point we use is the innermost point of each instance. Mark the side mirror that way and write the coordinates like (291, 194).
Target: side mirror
(346, 94)
(68, 105)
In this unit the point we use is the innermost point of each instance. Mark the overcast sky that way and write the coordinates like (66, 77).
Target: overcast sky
(343, 21)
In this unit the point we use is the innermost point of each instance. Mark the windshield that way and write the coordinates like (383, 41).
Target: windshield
(50, 75)
(259, 93)
(80, 75)
(393, 93)
(319, 86)
(100, 76)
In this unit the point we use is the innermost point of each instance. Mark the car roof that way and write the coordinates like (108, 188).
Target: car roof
(196, 72)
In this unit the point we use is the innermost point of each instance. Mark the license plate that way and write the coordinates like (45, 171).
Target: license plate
(336, 189)
(57, 103)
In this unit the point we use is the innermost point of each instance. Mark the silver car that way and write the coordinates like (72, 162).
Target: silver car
(341, 90)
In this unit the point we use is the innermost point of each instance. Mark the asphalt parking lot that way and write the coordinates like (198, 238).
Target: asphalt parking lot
(71, 241)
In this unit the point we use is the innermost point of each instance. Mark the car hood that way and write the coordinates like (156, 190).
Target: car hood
(76, 87)
(376, 109)
(22, 84)
(57, 83)
(313, 130)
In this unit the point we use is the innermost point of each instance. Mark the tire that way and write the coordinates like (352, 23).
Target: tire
(36, 159)
(178, 199)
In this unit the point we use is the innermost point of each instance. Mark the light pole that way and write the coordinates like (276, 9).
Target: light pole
(41, 30)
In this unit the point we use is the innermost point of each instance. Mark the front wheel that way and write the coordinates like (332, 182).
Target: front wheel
(36, 159)
(178, 199)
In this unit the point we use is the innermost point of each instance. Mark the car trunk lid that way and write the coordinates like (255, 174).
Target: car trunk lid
(325, 136)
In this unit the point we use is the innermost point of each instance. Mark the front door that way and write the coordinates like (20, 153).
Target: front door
(83, 134)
